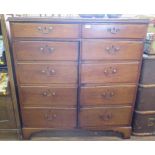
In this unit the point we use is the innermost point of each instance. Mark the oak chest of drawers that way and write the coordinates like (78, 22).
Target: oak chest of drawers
(79, 74)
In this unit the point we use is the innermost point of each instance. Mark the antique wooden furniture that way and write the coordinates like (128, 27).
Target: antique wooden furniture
(77, 74)
(9, 115)
(144, 116)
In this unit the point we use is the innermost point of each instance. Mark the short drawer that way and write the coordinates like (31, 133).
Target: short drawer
(107, 95)
(100, 117)
(37, 73)
(49, 118)
(45, 50)
(109, 72)
(44, 30)
(111, 49)
(114, 30)
(40, 96)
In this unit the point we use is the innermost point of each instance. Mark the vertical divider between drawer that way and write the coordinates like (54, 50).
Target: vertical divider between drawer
(79, 76)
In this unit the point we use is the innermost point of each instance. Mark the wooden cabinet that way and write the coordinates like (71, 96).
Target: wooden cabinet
(7, 118)
(77, 74)
(10, 128)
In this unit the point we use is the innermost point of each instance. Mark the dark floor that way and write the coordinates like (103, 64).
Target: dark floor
(80, 136)
(95, 138)
(87, 136)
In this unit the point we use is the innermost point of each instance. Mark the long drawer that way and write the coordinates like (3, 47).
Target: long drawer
(49, 118)
(111, 49)
(114, 30)
(40, 73)
(41, 96)
(43, 30)
(107, 95)
(45, 50)
(100, 117)
(109, 72)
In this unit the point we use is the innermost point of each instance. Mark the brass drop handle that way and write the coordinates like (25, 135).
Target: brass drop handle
(47, 49)
(107, 95)
(48, 71)
(105, 71)
(53, 94)
(41, 49)
(112, 49)
(43, 71)
(105, 117)
(45, 94)
(110, 71)
(117, 49)
(51, 49)
(107, 49)
(52, 71)
(48, 93)
(45, 29)
(113, 30)
(111, 94)
(50, 117)
(114, 70)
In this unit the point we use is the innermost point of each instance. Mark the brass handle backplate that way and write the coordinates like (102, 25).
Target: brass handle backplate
(112, 49)
(48, 93)
(106, 116)
(46, 49)
(108, 94)
(45, 29)
(113, 30)
(50, 116)
(48, 71)
(110, 71)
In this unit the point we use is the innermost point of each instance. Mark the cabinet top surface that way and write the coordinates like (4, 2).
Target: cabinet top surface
(78, 20)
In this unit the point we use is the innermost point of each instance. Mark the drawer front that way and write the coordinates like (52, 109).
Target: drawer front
(45, 50)
(145, 98)
(47, 73)
(144, 122)
(100, 117)
(114, 31)
(102, 95)
(48, 96)
(104, 49)
(44, 30)
(109, 73)
(49, 118)
(148, 71)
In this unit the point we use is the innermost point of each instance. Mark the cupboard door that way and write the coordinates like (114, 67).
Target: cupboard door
(7, 118)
